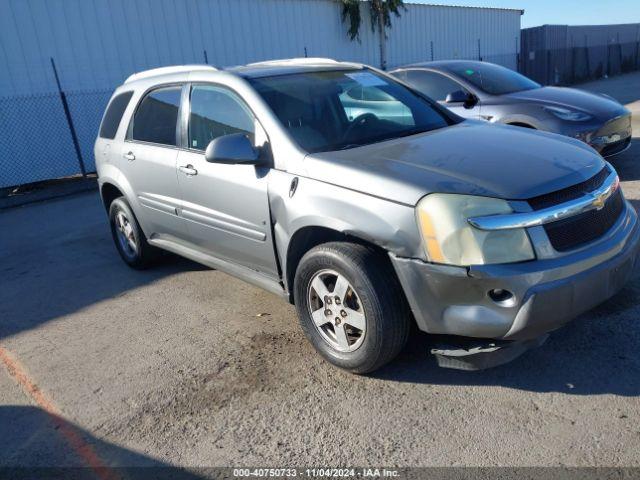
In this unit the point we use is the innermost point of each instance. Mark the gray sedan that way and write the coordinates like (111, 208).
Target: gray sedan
(487, 91)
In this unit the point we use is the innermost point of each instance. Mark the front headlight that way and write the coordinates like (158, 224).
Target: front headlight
(569, 115)
(450, 239)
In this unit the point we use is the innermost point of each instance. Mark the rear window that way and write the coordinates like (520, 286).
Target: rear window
(113, 115)
(493, 79)
(156, 118)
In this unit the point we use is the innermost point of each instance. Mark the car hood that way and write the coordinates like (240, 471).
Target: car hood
(471, 157)
(598, 105)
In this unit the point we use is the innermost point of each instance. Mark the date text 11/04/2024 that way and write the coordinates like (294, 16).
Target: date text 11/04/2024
(315, 472)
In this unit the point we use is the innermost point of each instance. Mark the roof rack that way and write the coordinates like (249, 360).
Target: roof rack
(294, 61)
(154, 72)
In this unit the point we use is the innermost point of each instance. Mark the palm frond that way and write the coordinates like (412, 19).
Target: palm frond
(379, 9)
(351, 12)
(384, 9)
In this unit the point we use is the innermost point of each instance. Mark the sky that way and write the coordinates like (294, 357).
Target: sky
(560, 12)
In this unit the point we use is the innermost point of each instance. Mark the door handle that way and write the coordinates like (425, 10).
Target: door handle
(129, 156)
(188, 170)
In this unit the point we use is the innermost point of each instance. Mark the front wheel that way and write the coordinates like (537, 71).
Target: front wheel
(350, 306)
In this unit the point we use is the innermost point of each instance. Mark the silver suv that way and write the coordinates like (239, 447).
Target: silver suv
(369, 215)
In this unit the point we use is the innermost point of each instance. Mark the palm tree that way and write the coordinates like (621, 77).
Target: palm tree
(381, 11)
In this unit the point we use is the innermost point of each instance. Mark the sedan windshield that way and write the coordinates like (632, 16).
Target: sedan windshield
(493, 79)
(335, 110)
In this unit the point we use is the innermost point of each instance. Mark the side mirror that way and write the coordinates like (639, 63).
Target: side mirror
(460, 96)
(232, 149)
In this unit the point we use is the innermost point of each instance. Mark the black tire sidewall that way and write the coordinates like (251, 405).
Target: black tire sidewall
(137, 260)
(375, 303)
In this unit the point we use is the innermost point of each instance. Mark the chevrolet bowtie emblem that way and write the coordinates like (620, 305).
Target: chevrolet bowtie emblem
(600, 199)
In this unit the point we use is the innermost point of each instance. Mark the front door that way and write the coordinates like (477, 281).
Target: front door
(225, 207)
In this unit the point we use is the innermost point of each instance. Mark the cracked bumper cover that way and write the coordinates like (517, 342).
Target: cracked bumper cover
(548, 292)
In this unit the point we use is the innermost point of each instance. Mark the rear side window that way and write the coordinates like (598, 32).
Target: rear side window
(156, 118)
(113, 115)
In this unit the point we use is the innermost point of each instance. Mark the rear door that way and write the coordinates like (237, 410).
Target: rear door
(149, 157)
(226, 207)
(437, 86)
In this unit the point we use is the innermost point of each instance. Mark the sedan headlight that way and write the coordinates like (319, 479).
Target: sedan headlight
(450, 239)
(569, 115)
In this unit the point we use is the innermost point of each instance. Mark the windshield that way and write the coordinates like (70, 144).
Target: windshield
(493, 79)
(334, 110)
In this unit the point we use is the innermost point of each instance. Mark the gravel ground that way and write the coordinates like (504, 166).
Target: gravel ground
(187, 366)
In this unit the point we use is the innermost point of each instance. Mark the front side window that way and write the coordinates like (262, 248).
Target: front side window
(216, 112)
(156, 118)
(493, 79)
(333, 110)
(432, 84)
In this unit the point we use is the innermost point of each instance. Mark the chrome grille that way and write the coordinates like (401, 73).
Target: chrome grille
(573, 232)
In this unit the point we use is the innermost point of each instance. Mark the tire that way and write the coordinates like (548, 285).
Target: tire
(130, 240)
(373, 290)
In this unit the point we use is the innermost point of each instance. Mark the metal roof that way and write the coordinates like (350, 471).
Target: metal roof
(409, 2)
(444, 63)
(479, 7)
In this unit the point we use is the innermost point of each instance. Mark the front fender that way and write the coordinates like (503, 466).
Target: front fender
(390, 225)
(524, 119)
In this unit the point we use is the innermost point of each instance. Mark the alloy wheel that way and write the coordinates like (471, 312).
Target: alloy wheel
(124, 232)
(336, 310)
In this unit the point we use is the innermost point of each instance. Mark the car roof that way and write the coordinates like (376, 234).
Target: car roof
(290, 66)
(443, 64)
(251, 70)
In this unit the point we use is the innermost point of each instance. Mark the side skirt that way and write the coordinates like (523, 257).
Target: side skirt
(239, 271)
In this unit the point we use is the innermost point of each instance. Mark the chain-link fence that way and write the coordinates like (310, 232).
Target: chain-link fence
(40, 133)
(568, 66)
(37, 140)
(51, 135)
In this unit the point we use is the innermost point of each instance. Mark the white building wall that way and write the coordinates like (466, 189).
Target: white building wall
(98, 43)
(454, 32)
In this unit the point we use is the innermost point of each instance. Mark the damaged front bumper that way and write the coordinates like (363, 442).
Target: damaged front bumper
(541, 295)
(478, 354)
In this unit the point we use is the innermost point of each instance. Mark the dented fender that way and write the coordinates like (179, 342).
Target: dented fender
(311, 203)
